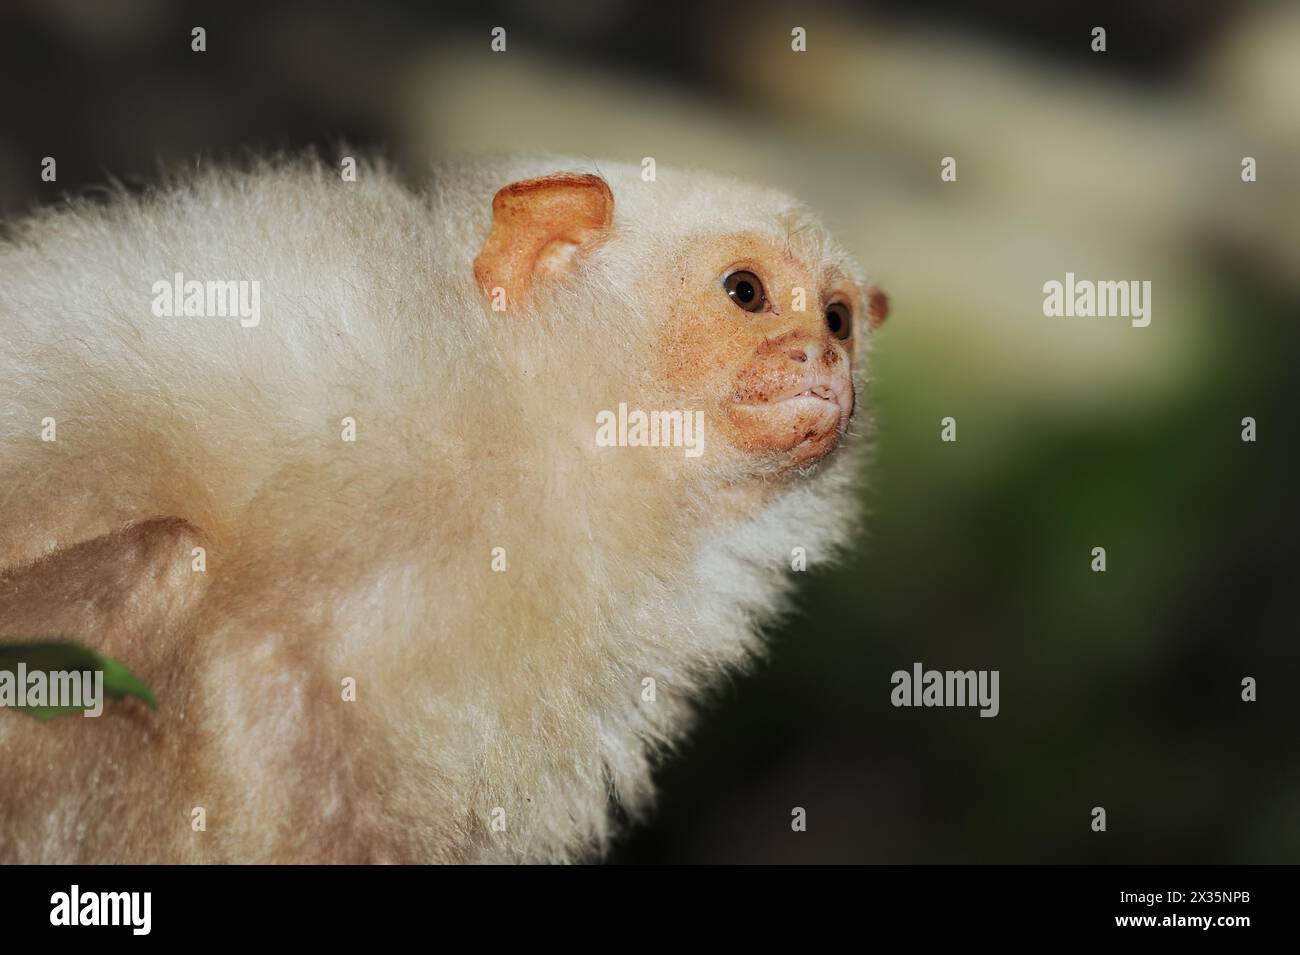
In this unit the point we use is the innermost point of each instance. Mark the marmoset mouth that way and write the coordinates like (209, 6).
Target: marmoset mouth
(828, 392)
(806, 419)
(810, 397)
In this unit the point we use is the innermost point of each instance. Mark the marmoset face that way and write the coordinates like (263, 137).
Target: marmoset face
(769, 341)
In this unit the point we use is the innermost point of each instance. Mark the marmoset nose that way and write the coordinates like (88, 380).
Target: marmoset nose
(804, 352)
(802, 347)
(805, 348)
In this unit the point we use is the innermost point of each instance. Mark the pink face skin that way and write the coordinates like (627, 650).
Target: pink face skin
(781, 380)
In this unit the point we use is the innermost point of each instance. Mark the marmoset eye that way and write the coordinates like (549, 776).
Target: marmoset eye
(745, 289)
(839, 319)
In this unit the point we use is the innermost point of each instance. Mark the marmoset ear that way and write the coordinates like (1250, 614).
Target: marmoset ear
(877, 306)
(538, 226)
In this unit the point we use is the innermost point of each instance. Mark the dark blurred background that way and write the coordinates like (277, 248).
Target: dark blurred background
(1120, 689)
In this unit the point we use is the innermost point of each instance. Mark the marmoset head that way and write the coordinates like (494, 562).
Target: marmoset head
(752, 312)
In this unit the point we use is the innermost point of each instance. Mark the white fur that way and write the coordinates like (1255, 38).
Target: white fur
(476, 690)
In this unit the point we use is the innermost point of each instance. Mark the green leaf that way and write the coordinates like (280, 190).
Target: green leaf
(55, 655)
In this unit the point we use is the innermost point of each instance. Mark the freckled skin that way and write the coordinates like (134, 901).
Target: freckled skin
(743, 364)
